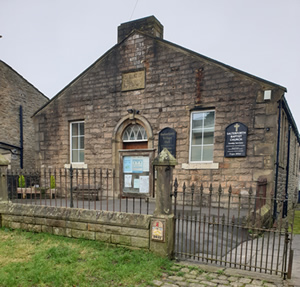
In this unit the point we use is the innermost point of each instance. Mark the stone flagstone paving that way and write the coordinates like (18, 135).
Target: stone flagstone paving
(192, 275)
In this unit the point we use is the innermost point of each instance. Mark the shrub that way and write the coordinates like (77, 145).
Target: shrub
(52, 182)
(21, 181)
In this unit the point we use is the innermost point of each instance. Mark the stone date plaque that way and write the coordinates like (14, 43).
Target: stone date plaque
(158, 230)
(133, 81)
(236, 140)
(167, 139)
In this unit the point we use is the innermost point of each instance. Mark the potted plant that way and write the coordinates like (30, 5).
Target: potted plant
(51, 191)
(22, 189)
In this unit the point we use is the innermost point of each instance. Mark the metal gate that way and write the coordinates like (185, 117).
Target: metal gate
(230, 230)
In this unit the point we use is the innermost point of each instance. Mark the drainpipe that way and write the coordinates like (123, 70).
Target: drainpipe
(277, 162)
(21, 136)
(285, 205)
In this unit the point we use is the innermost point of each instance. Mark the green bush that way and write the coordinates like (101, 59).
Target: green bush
(52, 182)
(21, 181)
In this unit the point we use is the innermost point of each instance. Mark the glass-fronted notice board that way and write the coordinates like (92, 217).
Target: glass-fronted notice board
(136, 174)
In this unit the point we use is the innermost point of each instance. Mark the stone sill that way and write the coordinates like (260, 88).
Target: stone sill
(76, 165)
(208, 165)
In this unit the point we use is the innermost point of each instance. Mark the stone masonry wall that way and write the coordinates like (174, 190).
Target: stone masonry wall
(293, 176)
(177, 81)
(125, 229)
(16, 91)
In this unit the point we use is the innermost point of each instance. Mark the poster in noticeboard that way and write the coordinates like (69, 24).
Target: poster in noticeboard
(127, 164)
(144, 184)
(128, 179)
(135, 164)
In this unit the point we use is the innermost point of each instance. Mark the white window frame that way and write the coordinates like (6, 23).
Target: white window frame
(202, 145)
(71, 141)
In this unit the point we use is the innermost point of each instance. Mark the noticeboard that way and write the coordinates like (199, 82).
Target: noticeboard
(136, 174)
(236, 140)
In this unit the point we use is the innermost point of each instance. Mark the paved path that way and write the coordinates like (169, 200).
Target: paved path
(296, 262)
(197, 275)
(200, 275)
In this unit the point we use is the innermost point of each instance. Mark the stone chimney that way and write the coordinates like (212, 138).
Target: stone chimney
(149, 25)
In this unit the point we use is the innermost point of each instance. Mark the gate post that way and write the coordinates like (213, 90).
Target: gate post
(162, 223)
(3, 180)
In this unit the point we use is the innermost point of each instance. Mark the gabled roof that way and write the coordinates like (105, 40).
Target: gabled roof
(172, 45)
(14, 71)
(290, 117)
(223, 65)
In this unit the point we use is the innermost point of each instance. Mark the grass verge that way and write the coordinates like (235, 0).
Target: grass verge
(30, 259)
(296, 228)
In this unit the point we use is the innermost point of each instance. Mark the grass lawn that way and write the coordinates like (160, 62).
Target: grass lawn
(297, 222)
(30, 259)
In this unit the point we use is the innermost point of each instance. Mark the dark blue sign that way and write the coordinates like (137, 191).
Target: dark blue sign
(236, 140)
(167, 139)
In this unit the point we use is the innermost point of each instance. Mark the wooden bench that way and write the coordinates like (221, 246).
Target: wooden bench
(24, 192)
(86, 191)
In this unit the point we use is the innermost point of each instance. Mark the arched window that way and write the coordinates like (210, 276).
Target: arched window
(135, 137)
(135, 133)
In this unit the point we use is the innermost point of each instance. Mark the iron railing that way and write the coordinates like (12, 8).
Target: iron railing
(74, 188)
(212, 226)
(233, 230)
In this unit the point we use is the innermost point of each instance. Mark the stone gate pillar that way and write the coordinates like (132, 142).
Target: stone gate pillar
(3, 180)
(162, 224)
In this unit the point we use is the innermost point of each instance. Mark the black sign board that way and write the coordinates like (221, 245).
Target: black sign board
(167, 139)
(236, 140)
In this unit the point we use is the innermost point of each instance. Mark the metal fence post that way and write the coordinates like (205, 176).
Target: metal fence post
(71, 187)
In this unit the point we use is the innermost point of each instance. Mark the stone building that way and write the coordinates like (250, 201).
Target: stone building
(19, 101)
(224, 126)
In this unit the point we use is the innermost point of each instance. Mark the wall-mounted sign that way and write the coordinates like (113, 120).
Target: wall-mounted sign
(158, 230)
(236, 140)
(133, 81)
(167, 139)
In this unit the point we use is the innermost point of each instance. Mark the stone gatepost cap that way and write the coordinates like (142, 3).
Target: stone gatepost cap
(165, 158)
(3, 161)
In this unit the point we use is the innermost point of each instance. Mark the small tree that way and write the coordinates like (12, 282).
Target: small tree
(52, 182)
(22, 181)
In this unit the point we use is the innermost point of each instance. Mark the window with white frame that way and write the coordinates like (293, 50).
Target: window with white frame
(202, 136)
(77, 142)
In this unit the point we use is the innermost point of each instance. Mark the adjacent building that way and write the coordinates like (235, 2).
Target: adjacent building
(223, 125)
(19, 101)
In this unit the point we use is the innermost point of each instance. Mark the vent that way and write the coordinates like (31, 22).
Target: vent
(267, 95)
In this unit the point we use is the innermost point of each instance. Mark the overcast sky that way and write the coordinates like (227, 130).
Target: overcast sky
(50, 42)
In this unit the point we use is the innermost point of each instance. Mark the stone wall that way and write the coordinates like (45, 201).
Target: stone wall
(293, 168)
(131, 230)
(16, 91)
